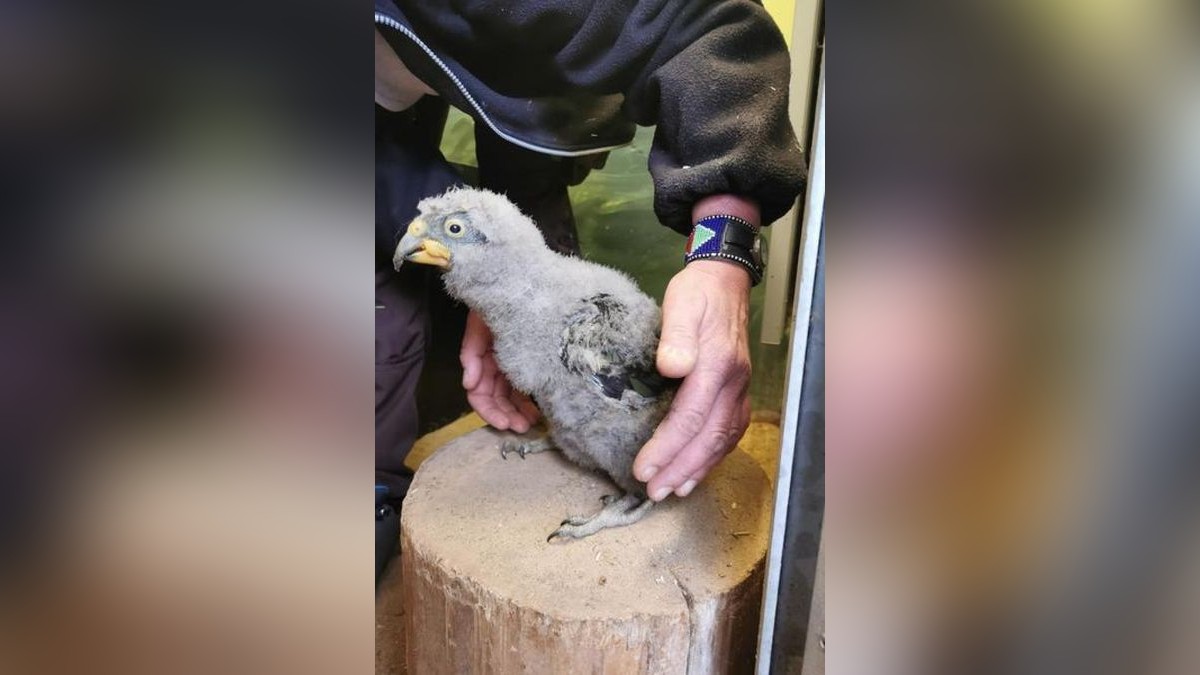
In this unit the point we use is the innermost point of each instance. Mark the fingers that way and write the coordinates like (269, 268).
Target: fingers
(476, 344)
(697, 476)
(689, 414)
(522, 413)
(472, 370)
(488, 390)
(707, 446)
(501, 407)
(683, 311)
(483, 396)
(503, 396)
(526, 407)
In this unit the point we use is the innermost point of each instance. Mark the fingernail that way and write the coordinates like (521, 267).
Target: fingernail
(661, 493)
(648, 473)
(686, 489)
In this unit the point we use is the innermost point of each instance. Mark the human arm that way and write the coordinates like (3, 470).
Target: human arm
(705, 341)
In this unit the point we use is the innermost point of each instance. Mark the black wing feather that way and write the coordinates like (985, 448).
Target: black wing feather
(597, 343)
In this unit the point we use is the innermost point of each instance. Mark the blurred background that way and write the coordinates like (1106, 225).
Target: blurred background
(187, 328)
(1012, 367)
(1012, 333)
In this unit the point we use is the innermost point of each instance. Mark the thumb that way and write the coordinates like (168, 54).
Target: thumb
(678, 348)
(475, 344)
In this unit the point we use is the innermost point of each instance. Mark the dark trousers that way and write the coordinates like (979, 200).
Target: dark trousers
(409, 167)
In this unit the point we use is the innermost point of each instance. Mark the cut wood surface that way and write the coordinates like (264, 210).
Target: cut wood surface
(483, 592)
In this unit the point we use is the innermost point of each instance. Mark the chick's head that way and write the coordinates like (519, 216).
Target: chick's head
(466, 230)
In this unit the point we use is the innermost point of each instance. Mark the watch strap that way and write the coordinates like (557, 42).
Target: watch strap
(728, 238)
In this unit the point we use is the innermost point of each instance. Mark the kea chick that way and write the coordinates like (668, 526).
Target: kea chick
(578, 337)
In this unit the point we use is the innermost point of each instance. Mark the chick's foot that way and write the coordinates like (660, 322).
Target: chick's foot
(618, 512)
(525, 444)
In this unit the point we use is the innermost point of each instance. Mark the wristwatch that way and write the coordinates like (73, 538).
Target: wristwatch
(727, 238)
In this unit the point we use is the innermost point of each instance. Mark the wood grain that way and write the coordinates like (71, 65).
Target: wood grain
(483, 592)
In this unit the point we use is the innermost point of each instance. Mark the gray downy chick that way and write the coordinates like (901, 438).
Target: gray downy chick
(578, 337)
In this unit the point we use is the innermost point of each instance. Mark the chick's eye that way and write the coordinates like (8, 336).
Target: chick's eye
(454, 228)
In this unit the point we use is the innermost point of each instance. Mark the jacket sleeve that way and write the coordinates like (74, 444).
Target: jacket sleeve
(717, 89)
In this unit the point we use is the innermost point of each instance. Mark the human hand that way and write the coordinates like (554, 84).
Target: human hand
(488, 390)
(705, 311)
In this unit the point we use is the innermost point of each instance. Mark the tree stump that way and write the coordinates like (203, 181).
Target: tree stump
(483, 592)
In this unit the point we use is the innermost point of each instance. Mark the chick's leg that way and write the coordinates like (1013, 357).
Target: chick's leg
(625, 510)
(528, 443)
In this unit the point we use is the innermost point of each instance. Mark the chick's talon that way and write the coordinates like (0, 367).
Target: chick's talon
(525, 446)
(617, 512)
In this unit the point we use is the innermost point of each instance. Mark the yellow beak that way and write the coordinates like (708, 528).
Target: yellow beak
(429, 252)
(415, 247)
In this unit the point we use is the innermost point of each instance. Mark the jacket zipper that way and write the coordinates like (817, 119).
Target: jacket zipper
(388, 21)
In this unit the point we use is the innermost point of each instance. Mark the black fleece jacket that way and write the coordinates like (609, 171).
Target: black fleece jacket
(572, 77)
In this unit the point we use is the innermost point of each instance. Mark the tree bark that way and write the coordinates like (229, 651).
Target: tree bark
(483, 592)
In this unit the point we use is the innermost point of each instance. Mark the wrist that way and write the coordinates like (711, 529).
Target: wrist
(723, 273)
(729, 240)
(733, 205)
